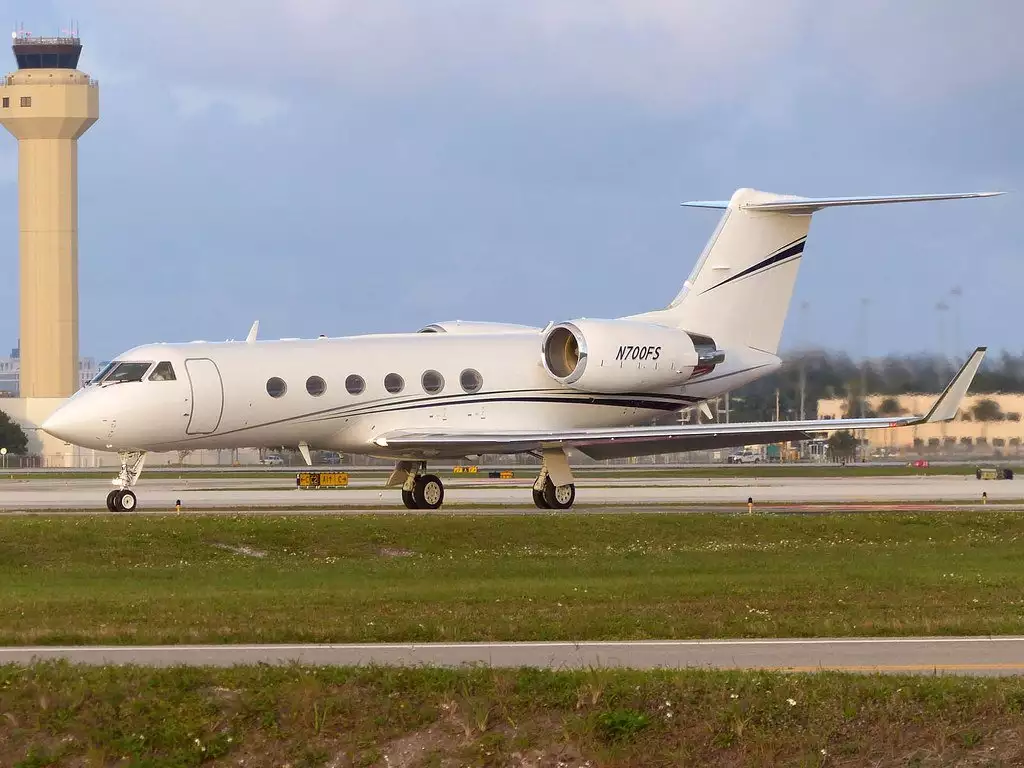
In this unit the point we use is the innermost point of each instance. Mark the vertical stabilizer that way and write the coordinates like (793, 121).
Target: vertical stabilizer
(740, 289)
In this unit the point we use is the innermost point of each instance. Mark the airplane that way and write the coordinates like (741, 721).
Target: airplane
(457, 389)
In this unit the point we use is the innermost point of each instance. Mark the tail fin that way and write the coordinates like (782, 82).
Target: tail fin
(740, 289)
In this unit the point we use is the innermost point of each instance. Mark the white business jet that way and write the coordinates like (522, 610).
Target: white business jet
(458, 389)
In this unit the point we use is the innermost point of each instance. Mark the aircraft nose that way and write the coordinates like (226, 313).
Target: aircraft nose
(72, 424)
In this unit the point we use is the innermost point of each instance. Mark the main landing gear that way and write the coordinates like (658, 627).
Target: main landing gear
(548, 495)
(419, 490)
(122, 498)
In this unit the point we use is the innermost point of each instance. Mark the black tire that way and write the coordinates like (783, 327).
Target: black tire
(428, 492)
(1008, 473)
(977, 473)
(538, 500)
(111, 503)
(408, 499)
(126, 501)
(559, 497)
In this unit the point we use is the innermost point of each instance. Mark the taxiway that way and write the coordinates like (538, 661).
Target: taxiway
(911, 655)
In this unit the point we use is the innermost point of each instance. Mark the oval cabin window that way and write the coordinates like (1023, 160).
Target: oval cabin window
(394, 383)
(316, 386)
(276, 387)
(432, 381)
(355, 384)
(471, 381)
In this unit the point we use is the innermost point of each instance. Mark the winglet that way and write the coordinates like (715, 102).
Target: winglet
(251, 338)
(946, 407)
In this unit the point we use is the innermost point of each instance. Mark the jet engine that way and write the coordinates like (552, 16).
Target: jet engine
(615, 356)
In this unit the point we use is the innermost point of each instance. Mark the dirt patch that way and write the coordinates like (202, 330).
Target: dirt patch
(414, 749)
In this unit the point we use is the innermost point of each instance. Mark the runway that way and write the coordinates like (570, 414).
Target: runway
(989, 656)
(594, 494)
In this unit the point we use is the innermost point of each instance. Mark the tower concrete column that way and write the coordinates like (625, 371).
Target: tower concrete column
(47, 105)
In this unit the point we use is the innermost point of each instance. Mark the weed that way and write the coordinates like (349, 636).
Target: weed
(621, 725)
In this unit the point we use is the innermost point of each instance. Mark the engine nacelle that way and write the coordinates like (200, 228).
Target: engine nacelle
(463, 326)
(625, 356)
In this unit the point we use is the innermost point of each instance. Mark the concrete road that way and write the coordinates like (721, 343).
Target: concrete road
(160, 494)
(950, 655)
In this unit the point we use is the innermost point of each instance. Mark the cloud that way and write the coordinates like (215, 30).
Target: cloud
(248, 107)
(666, 54)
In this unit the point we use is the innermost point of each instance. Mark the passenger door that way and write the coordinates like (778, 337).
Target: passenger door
(207, 396)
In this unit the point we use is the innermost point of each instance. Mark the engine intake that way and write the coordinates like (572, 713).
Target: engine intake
(617, 356)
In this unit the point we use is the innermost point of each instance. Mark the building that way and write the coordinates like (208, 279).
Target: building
(47, 104)
(10, 372)
(1001, 430)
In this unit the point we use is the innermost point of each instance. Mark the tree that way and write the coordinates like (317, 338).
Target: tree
(842, 444)
(11, 435)
(987, 410)
(890, 406)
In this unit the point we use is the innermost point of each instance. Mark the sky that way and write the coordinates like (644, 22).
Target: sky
(344, 166)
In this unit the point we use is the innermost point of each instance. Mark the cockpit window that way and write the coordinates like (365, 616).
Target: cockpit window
(163, 372)
(103, 372)
(125, 372)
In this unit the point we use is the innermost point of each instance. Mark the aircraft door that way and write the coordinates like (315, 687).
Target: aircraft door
(207, 396)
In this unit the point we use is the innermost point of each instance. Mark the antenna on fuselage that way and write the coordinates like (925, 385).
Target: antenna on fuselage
(251, 338)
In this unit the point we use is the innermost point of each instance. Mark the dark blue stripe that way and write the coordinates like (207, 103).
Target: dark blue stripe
(793, 249)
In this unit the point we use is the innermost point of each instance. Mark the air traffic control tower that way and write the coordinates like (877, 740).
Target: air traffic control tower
(47, 104)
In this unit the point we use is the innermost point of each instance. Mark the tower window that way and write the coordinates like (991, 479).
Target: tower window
(26, 101)
(394, 383)
(7, 101)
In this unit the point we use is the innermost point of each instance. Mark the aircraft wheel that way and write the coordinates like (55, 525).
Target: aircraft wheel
(112, 501)
(125, 501)
(429, 492)
(538, 499)
(559, 496)
(409, 500)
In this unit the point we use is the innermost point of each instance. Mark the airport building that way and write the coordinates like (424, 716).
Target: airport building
(10, 372)
(986, 424)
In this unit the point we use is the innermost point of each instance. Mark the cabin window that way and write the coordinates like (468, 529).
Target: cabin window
(316, 386)
(394, 383)
(432, 381)
(355, 384)
(276, 387)
(125, 372)
(471, 381)
(163, 372)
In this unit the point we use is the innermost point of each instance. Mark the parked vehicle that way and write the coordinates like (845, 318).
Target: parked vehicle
(744, 457)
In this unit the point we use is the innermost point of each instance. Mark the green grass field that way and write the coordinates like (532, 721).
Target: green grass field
(419, 578)
(55, 715)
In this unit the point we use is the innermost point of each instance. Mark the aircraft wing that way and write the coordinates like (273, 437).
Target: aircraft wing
(618, 442)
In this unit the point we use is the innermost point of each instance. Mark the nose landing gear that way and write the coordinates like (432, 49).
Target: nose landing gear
(122, 498)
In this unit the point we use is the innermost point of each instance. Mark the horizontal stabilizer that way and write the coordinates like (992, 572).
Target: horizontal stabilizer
(805, 205)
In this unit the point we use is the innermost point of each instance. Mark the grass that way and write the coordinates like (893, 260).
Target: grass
(59, 714)
(272, 578)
